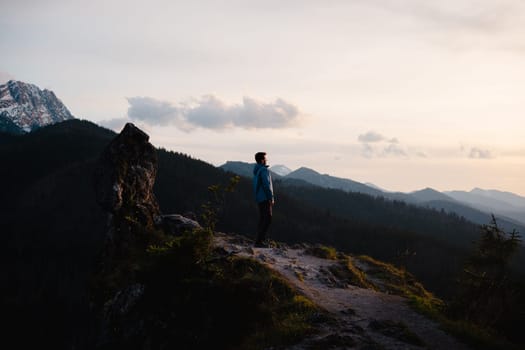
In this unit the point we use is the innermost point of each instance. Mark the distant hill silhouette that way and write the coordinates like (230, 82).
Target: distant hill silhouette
(429, 194)
(327, 181)
(244, 169)
(504, 204)
(470, 210)
(464, 205)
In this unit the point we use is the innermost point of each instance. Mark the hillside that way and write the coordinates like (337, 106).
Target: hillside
(366, 301)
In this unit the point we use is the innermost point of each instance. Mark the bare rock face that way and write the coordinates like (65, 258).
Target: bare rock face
(176, 224)
(125, 177)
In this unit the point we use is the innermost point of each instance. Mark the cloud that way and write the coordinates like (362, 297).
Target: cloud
(394, 150)
(368, 151)
(279, 114)
(464, 25)
(375, 144)
(371, 136)
(393, 140)
(477, 153)
(483, 16)
(209, 112)
(152, 111)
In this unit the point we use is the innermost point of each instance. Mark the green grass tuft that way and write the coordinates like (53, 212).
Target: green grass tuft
(391, 279)
(347, 272)
(323, 252)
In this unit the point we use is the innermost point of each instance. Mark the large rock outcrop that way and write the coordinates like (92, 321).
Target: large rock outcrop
(126, 174)
(124, 179)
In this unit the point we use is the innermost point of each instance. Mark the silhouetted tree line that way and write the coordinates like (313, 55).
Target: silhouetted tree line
(490, 294)
(51, 230)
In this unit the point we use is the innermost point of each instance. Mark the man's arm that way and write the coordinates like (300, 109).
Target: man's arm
(267, 184)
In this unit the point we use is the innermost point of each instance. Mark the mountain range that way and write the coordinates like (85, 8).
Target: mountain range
(503, 203)
(477, 205)
(25, 107)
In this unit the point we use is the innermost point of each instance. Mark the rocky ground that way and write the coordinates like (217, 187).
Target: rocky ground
(359, 318)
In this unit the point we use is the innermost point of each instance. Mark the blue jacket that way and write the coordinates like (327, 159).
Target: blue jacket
(262, 183)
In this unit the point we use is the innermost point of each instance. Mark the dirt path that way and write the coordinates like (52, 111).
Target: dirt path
(363, 318)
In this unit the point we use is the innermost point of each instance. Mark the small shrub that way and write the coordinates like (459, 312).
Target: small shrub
(397, 281)
(346, 271)
(473, 335)
(323, 252)
(303, 302)
(193, 247)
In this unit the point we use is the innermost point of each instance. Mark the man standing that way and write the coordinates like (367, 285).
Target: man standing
(263, 190)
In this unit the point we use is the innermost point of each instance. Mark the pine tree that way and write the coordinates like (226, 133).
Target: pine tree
(486, 293)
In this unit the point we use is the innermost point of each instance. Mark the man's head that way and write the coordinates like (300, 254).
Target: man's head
(260, 158)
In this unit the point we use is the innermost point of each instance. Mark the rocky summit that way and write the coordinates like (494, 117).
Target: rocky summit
(25, 107)
(124, 179)
(126, 174)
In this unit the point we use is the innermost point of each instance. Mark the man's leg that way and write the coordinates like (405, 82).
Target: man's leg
(265, 219)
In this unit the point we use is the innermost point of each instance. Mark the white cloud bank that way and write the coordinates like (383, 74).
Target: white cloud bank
(478, 153)
(375, 145)
(209, 112)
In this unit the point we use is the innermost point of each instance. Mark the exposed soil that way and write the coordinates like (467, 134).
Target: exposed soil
(359, 318)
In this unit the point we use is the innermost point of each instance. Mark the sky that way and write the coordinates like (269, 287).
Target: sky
(404, 94)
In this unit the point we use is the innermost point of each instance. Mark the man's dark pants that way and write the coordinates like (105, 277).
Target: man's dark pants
(265, 219)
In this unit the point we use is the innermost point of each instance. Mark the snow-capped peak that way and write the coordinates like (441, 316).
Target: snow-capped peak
(25, 107)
